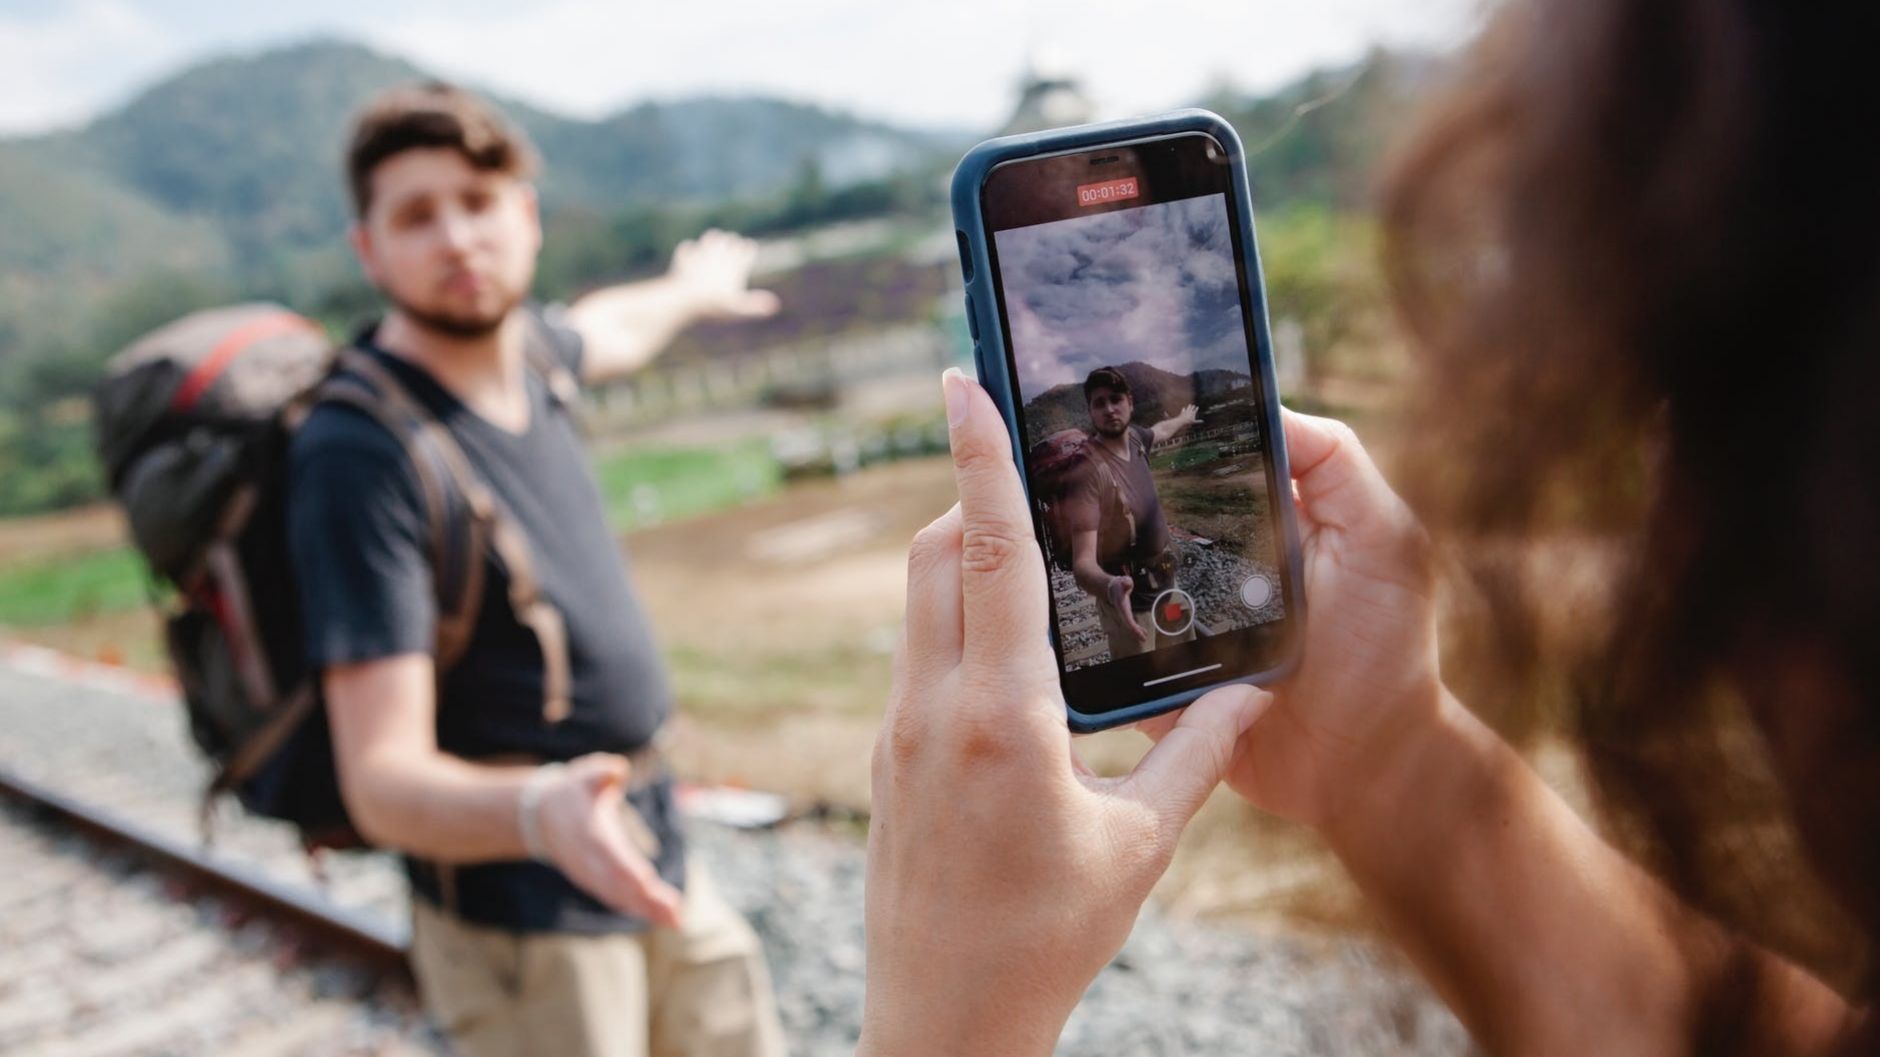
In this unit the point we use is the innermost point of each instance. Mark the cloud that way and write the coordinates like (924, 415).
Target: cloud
(956, 64)
(1155, 284)
(917, 63)
(62, 65)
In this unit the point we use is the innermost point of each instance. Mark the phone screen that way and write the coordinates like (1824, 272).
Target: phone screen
(1131, 345)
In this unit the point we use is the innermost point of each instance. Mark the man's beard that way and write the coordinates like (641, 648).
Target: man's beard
(1111, 432)
(462, 327)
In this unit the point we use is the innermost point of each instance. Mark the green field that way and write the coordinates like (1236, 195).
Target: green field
(1186, 456)
(640, 487)
(644, 487)
(61, 590)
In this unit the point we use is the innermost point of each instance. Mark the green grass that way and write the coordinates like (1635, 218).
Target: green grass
(640, 487)
(1186, 456)
(66, 589)
(647, 486)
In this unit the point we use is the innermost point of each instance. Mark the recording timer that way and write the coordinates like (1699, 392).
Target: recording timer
(1117, 190)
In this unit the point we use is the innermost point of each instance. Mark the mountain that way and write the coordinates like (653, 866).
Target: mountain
(232, 167)
(717, 148)
(225, 179)
(1157, 393)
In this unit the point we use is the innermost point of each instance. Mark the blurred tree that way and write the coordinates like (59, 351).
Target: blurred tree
(1321, 272)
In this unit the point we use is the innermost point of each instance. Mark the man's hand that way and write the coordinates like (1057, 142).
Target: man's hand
(578, 817)
(1175, 426)
(713, 273)
(623, 327)
(1097, 582)
(1119, 590)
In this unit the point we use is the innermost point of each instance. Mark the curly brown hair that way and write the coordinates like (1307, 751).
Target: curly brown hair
(1638, 247)
(432, 114)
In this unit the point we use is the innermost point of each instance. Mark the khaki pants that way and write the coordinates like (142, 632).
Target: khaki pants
(1124, 643)
(699, 991)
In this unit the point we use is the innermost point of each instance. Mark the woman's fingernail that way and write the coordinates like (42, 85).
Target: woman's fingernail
(959, 401)
(1258, 701)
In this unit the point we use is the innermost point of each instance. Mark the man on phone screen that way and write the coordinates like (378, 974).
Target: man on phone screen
(1121, 549)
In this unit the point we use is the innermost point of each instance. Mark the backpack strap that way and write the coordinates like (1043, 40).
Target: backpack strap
(428, 443)
(456, 525)
(541, 617)
(247, 761)
(563, 387)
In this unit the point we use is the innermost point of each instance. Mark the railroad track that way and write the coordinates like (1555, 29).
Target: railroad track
(122, 934)
(354, 935)
(121, 942)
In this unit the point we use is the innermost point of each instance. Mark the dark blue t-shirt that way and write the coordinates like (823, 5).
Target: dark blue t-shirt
(359, 539)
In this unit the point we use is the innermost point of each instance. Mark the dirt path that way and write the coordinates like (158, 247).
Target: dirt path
(90, 528)
(779, 621)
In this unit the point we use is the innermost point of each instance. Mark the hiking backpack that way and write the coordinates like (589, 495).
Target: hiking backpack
(1058, 464)
(193, 425)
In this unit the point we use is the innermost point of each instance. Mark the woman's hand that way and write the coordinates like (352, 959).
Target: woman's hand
(1367, 685)
(1002, 875)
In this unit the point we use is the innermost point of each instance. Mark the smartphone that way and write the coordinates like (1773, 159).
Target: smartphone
(1114, 297)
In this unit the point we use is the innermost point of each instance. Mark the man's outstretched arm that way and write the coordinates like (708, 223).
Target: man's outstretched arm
(623, 327)
(1174, 426)
(1099, 583)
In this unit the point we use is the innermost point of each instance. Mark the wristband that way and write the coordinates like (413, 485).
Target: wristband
(527, 806)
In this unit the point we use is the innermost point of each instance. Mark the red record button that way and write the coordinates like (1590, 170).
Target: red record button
(1173, 612)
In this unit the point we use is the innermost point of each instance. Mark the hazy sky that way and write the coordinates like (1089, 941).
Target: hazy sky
(953, 63)
(1155, 284)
